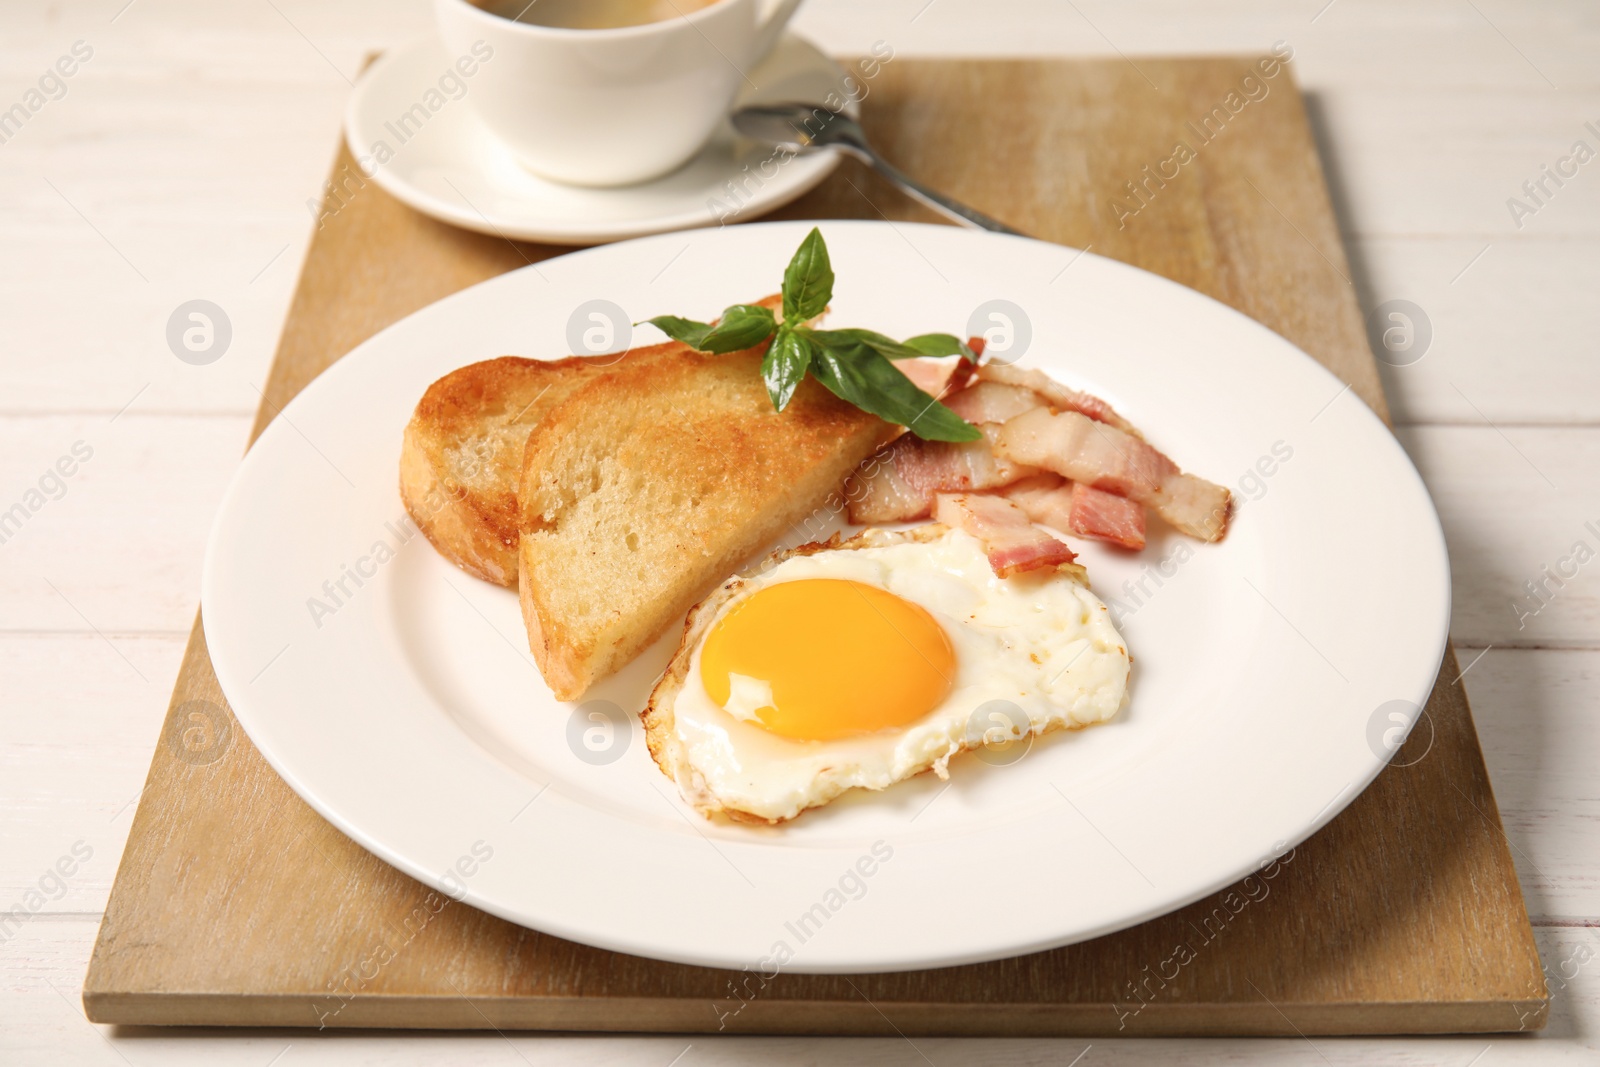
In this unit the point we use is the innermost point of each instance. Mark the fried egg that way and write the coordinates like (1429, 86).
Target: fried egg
(859, 664)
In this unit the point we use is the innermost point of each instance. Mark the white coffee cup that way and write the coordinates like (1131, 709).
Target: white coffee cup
(610, 106)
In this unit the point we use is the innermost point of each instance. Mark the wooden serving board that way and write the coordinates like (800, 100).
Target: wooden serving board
(235, 904)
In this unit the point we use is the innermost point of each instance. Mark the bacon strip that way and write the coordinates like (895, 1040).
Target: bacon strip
(898, 483)
(1059, 396)
(1012, 543)
(1032, 423)
(936, 377)
(1106, 517)
(929, 375)
(1079, 509)
(960, 375)
(993, 402)
(1106, 458)
(1195, 506)
(1044, 497)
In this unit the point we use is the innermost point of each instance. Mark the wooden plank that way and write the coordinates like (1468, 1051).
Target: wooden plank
(1477, 366)
(1468, 178)
(1495, 550)
(1535, 713)
(39, 1026)
(1402, 916)
(157, 481)
(73, 772)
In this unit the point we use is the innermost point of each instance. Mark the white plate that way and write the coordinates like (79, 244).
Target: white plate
(453, 168)
(1266, 668)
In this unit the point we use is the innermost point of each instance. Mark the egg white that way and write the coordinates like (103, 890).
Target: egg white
(1044, 643)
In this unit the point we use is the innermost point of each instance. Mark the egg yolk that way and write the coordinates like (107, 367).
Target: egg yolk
(827, 658)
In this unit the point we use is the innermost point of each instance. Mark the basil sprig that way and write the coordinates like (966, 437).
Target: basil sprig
(855, 365)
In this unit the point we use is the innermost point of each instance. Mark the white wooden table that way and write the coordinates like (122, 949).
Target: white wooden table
(175, 163)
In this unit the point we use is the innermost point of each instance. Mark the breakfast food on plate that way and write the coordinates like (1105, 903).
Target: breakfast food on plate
(861, 663)
(1010, 541)
(1075, 446)
(1037, 436)
(461, 456)
(898, 484)
(647, 487)
(1078, 508)
(619, 493)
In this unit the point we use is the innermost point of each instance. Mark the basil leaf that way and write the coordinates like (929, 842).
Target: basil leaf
(853, 364)
(688, 331)
(927, 344)
(862, 376)
(888, 347)
(741, 326)
(940, 344)
(785, 365)
(808, 280)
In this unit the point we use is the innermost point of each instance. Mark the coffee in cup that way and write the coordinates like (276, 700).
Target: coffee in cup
(592, 14)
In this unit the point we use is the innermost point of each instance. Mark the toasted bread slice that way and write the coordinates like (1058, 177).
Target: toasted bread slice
(645, 488)
(461, 456)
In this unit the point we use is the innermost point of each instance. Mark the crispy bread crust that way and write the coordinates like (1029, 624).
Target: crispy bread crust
(453, 522)
(461, 454)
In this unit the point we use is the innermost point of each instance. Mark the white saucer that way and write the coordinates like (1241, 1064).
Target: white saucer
(454, 169)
